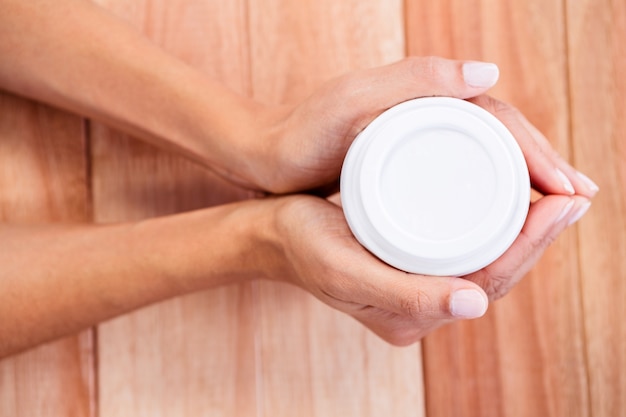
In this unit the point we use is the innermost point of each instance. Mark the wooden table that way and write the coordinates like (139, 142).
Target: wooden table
(556, 346)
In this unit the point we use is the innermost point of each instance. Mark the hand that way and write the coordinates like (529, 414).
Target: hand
(325, 259)
(319, 253)
(305, 145)
(549, 173)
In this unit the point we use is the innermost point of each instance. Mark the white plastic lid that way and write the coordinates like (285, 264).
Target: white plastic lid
(435, 186)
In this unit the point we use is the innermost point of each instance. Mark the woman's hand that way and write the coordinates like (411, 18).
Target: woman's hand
(549, 173)
(304, 146)
(318, 253)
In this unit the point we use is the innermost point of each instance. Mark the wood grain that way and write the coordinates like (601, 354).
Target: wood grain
(193, 355)
(597, 56)
(527, 356)
(315, 361)
(556, 346)
(295, 47)
(43, 178)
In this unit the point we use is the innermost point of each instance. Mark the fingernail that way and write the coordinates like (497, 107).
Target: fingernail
(593, 187)
(480, 74)
(580, 212)
(567, 185)
(468, 304)
(565, 211)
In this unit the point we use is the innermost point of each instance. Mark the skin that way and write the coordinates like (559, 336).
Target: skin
(96, 272)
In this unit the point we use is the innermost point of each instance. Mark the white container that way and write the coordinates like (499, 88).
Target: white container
(435, 186)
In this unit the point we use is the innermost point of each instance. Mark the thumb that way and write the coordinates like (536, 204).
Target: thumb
(409, 307)
(414, 77)
(420, 297)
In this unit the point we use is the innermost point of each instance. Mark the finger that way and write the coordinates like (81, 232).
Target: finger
(583, 185)
(407, 307)
(547, 218)
(369, 92)
(430, 76)
(419, 297)
(549, 173)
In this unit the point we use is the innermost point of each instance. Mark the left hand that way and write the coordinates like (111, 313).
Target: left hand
(306, 144)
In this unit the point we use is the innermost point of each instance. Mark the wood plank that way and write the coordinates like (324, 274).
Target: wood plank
(315, 361)
(296, 47)
(596, 33)
(193, 355)
(43, 178)
(527, 356)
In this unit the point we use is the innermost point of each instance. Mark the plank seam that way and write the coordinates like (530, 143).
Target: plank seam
(94, 403)
(570, 142)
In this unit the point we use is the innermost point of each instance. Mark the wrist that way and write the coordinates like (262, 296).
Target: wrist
(292, 233)
(245, 146)
(207, 248)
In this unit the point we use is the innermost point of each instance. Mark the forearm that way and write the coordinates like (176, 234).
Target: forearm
(57, 280)
(75, 55)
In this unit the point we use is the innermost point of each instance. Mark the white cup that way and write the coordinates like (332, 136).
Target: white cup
(435, 186)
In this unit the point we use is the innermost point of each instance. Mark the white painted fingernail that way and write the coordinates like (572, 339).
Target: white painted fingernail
(580, 212)
(480, 74)
(565, 211)
(567, 185)
(593, 187)
(468, 304)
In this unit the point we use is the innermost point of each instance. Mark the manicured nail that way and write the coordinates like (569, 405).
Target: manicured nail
(480, 74)
(567, 185)
(580, 212)
(593, 187)
(565, 211)
(468, 304)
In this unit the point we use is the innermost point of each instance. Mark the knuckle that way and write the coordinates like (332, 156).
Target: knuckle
(427, 67)
(497, 107)
(496, 287)
(498, 280)
(536, 247)
(416, 305)
(438, 76)
(498, 284)
(540, 244)
(333, 286)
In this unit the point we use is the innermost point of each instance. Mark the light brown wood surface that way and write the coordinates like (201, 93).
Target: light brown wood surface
(44, 178)
(193, 355)
(313, 360)
(556, 346)
(597, 56)
(514, 361)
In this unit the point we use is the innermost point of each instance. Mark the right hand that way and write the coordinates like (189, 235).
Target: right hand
(319, 253)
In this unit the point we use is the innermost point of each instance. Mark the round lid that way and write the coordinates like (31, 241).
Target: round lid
(436, 186)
